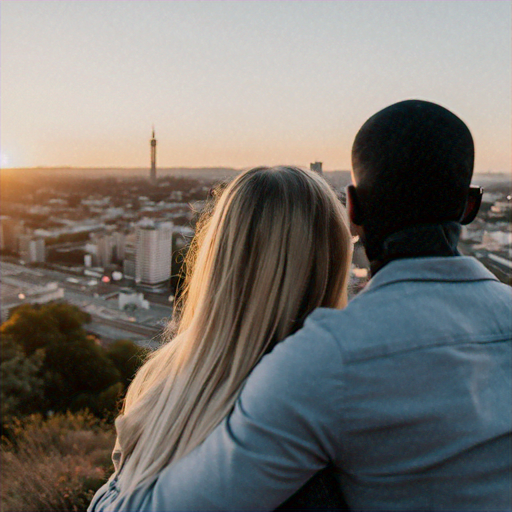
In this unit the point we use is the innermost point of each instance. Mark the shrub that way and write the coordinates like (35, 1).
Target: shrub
(22, 387)
(70, 363)
(54, 465)
(127, 357)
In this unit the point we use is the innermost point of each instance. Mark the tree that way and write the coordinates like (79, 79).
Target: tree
(127, 357)
(105, 405)
(34, 326)
(22, 386)
(29, 328)
(49, 343)
(75, 368)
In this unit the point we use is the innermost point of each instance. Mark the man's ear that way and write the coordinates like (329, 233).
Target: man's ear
(355, 212)
(472, 205)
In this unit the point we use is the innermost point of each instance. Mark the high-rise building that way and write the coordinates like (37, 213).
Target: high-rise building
(316, 167)
(104, 248)
(32, 250)
(11, 230)
(130, 248)
(153, 251)
(119, 244)
(152, 143)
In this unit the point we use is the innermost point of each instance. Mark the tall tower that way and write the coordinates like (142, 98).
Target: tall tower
(152, 174)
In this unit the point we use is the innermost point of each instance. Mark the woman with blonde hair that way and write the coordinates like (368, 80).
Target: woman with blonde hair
(275, 245)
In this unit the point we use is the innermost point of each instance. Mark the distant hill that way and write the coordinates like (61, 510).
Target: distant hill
(97, 172)
(338, 178)
(491, 179)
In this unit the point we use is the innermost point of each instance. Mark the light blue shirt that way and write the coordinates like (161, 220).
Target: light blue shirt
(407, 392)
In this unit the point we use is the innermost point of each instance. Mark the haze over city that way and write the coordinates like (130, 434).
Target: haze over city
(240, 84)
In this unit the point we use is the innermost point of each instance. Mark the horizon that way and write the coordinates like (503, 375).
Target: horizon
(184, 168)
(226, 84)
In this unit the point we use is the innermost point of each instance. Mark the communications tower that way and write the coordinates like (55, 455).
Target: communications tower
(152, 172)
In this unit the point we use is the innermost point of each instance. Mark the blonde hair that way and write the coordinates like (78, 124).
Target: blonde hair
(276, 246)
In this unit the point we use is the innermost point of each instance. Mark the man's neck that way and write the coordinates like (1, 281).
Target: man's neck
(419, 241)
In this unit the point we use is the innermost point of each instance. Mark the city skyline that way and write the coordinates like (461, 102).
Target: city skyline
(230, 84)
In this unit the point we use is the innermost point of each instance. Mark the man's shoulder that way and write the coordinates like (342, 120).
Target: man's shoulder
(416, 305)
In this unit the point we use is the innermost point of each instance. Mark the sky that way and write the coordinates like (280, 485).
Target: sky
(242, 83)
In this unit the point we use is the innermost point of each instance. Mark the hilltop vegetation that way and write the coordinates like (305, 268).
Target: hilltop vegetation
(60, 392)
(50, 363)
(54, 465)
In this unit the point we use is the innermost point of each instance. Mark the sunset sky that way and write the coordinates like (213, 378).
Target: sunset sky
(242, 83)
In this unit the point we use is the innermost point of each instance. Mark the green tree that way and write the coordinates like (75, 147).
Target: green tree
(75, 368)
(127, 357)
(34, 326)
(22, 386)
(105, 405)
(49, 343)
(29, 328)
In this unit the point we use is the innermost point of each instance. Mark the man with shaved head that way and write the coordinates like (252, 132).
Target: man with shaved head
(406, 393)
(412, 166)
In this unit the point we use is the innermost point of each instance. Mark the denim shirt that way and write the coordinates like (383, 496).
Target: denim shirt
(407, 392)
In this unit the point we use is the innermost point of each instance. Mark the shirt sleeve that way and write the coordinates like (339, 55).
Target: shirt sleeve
(283, 429)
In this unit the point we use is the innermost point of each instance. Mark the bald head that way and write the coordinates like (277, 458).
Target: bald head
(412, 164)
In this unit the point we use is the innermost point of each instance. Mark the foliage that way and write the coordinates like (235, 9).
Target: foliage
(54, 465)
(22, 386)
(29, 328)
(49, 363)
(77, 367)
(127, 357)
(9, 348)
(34, 326)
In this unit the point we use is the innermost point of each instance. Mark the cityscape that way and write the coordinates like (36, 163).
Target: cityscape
(121, 123)
(114, 245)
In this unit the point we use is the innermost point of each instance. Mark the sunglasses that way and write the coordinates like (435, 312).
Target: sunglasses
(473, 204)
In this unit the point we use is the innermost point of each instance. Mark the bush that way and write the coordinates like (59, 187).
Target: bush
(45, 349)
(127, 357)
(22, 387)
(54, 465)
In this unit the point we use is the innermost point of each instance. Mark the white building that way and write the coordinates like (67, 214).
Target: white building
(132, 299)
(32, 250)
(153, 251)
(106, 247)
(88, 260)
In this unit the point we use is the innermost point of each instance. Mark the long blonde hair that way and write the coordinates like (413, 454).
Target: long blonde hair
(275, 247)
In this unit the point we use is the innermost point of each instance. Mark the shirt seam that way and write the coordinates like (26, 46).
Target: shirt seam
(333, 459)
(426, 280)
(428, 345)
